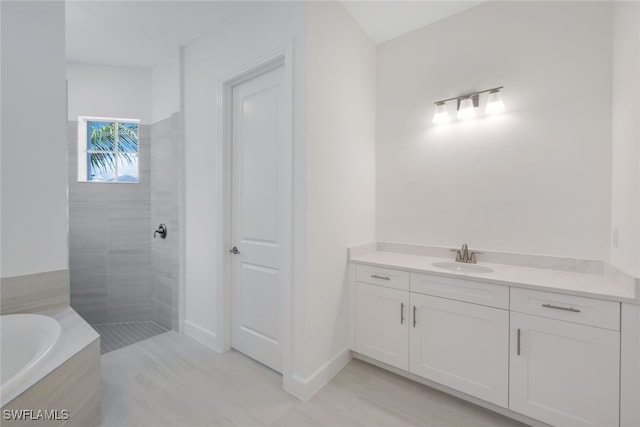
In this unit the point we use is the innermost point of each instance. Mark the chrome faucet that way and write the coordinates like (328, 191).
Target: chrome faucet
(464, 255)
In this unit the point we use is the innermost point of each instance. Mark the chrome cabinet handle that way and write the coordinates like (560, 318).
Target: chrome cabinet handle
(401, 313)
(375, 276)
(234, 251)
(557, 307)
(414, 316)
(518, 341)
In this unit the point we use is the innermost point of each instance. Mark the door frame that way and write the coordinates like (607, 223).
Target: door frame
(283, 56)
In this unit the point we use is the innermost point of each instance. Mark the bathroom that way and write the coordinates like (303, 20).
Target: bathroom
(549, 184)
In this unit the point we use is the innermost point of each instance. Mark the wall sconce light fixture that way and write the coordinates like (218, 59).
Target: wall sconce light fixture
(494, 102)
(467, 105)
(441, 115)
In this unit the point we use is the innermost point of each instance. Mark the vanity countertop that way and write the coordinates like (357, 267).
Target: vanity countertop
(581, 284)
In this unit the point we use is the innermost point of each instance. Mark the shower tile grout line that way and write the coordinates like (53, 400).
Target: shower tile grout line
(133, 334)
(106, 339)
(146, 328)
(113, 338)
(157, 330)
(116, 335)
(122, 334)
(126, 334)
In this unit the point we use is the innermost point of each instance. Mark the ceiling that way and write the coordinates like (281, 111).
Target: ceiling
(385, 20)
(138, 33)
(145, 33)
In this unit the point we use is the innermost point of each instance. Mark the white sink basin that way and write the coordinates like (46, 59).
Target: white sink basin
(462, 267)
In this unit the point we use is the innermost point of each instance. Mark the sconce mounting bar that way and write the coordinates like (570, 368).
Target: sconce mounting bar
(469, 95)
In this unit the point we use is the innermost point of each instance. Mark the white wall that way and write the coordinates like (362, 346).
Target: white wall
(34, 153)
(259, 30)
(106, 91)
(341, 169)
(535, 179)
(165, 88)
(625, 195)
(333, 171)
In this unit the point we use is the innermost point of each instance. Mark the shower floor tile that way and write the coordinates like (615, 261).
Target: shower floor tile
(117, 335)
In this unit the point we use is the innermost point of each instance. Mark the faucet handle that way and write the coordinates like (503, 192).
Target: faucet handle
(162, 231)
(458, 254)
(472, 257)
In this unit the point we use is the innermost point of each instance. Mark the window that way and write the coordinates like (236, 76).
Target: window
(107, 150)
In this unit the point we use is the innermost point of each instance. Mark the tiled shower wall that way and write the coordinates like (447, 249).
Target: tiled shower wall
(118, 272)
(165, 137)
(109, 242)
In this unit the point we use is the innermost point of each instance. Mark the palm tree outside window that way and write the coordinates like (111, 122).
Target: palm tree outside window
(108, 150)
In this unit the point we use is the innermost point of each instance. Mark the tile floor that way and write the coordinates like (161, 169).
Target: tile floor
(171, 380)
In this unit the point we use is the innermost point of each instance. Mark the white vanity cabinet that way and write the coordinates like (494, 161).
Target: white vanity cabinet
(461, 345)
(549, 356)
(446, 330)
(460, 335)
(382, 325)
(382, 315)
(564, 372)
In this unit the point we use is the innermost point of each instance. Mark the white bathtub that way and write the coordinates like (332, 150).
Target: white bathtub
(25, 341)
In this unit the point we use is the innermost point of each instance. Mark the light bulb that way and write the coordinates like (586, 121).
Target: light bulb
(466, 110)
(494, 103)
(441, 115)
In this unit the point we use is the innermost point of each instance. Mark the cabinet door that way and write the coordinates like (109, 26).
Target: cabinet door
(563, 373)
(461, 345)
(382, 324)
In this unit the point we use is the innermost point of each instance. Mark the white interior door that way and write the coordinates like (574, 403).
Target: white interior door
(258, 230)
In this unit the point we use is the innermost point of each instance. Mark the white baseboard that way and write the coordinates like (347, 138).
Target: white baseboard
(201, 335)
(305, 388)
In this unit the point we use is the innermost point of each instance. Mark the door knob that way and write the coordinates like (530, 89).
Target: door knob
(234, 250)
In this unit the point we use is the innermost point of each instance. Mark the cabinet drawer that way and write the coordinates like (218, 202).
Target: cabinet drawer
(461, 290)
(383, 276)
(585, 311)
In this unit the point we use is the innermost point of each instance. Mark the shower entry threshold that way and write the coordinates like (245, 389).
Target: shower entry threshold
(117, 335)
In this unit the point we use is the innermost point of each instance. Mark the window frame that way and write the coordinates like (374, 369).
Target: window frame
(83, 150)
